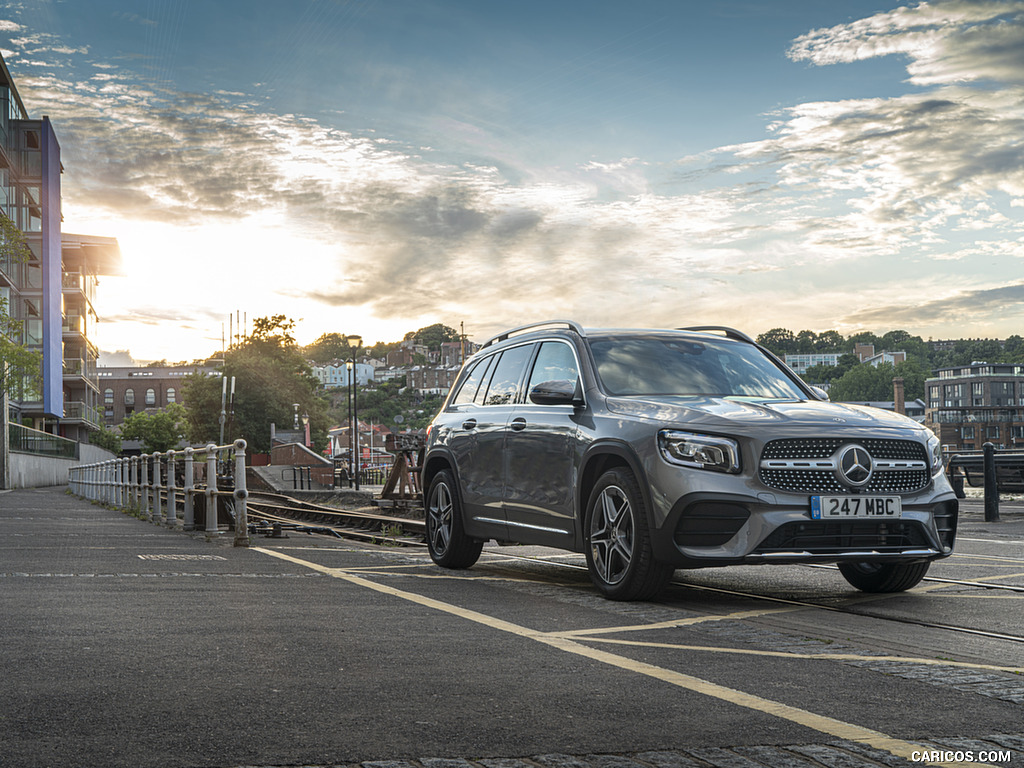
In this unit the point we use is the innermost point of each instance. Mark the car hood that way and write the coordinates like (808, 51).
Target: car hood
(722, 413)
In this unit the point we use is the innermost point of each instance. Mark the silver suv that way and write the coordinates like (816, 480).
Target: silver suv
(651, 450)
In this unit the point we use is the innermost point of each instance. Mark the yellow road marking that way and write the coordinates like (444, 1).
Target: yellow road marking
(821, 723)
(797, 655)
(677, 622)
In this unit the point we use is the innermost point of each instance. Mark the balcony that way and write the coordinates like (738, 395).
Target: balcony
(79, 282)
(74, 324)
(77, 411)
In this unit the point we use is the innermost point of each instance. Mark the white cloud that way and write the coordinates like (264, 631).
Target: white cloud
(354, 221)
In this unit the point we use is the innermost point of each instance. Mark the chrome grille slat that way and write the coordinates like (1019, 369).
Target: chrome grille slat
(806, 465)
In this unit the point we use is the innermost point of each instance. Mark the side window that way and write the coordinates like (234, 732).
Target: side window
(555, 362)
(507, 375)
(469, 387)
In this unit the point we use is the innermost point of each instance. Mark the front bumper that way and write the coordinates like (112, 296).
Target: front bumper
(708, 529)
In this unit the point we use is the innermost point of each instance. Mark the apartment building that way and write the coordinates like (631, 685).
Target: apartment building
(968, 406)
(50, 295)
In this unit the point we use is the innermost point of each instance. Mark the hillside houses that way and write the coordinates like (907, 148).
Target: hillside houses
(427, 372)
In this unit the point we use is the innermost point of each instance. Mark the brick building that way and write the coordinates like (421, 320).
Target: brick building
(125, 390)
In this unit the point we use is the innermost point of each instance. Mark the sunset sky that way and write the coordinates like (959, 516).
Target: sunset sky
(373, 167)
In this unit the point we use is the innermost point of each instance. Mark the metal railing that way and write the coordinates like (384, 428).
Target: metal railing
(22, 439)
(997, 471)
(149, 484)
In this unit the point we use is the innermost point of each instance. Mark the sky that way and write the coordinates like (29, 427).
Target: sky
(371, 167)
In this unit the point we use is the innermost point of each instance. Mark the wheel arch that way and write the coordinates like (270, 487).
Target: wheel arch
(434, 463)
(598, 459)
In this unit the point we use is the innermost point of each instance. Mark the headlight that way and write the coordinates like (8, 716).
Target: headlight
(935, 453)
(701, 451)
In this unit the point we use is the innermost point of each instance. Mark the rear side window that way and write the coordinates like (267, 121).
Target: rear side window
(507, 374)
(555, 362)
(467, 392)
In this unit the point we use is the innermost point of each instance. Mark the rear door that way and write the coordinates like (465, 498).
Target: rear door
(481, 469)
(540, 449)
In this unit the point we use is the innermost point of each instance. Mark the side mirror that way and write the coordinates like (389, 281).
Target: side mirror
(561, 392)
(821, 393)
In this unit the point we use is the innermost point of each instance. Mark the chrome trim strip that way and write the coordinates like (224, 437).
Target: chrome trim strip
(512, 524)
(838, 556)
(880, 465)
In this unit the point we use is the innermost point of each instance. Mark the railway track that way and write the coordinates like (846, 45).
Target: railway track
(831, 608)
(272, 514)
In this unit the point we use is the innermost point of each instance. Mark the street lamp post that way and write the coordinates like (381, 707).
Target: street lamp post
(354, 423)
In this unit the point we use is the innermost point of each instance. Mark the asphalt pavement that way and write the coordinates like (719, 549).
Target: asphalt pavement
(128, 644)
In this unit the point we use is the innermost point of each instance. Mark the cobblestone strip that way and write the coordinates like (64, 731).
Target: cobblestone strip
(839, 754)
(1005, 687)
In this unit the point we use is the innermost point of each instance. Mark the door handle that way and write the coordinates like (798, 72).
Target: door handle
(518, 424)
(469, 424)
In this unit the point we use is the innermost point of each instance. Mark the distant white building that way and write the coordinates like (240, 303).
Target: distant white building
(864, 352)
(337, 374)
(800, 363)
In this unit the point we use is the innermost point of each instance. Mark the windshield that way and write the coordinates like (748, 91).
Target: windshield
(679, 365)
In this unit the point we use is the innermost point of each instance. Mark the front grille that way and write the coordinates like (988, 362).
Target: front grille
(824, 481)
(837, 537)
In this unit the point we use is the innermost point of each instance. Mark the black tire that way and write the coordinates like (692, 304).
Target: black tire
(447, 541)
(619, 553)
(883, 577)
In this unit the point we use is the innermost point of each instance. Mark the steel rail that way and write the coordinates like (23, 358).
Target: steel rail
(805, 604)
(288, 513)
(346, 521)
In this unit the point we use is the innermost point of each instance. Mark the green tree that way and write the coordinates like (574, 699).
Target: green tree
(271, 375)
(1013, 349)
(106, 438)
(157, 430)
(330, 346)
(433, 336)
(20, 368)
(829, 341)
(864, 337)
(806, 342)
(779, 340)
(863, 383)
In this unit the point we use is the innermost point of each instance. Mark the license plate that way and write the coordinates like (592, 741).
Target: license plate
(832, 507)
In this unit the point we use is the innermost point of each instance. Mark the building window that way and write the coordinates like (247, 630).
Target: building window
(968, 433)
(108, 397)
(170, 395)
(129, 396)
(1002, 393)
(150, 397)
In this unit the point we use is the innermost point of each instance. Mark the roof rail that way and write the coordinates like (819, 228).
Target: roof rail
(570, 324)
(730, 333)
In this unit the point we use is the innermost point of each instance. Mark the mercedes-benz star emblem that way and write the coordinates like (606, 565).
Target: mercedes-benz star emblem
(855, 466)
